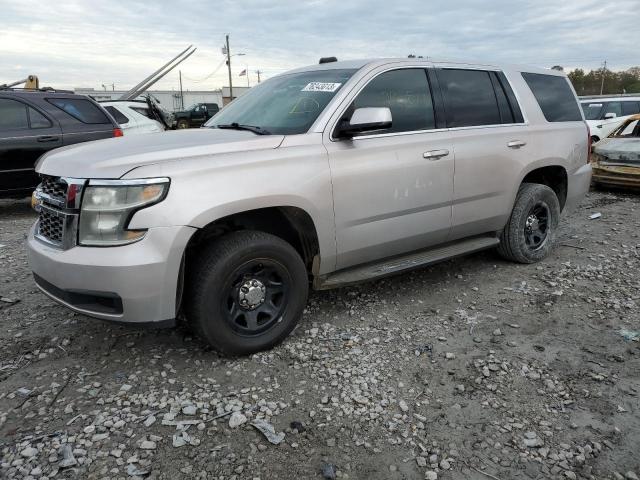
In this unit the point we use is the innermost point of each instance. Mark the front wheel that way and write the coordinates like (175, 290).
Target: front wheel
(182, 124)
(246, 292)
(530, 232)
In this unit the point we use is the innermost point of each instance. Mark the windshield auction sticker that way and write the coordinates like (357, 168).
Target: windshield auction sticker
(321, 87)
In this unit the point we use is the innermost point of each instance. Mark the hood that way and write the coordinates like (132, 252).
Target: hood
(114, 157)
(619, 150)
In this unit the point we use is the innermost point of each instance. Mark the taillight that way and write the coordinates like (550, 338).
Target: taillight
(117, 132)
(588, 144)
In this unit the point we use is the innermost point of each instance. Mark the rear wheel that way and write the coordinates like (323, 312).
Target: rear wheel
(246, 292)
(529, 235)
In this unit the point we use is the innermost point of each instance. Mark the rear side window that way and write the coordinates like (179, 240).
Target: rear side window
(80, 109)
(37, 120)
(143, 111)
(117, 115)
(630, 108)
(406, 93)
(13, 115)
(469, 98)
(557, 101)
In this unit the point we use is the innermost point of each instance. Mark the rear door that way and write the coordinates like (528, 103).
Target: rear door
(490, 143)
(26, 133)
(81, 119)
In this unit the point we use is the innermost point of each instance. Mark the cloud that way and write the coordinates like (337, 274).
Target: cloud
(89, 43)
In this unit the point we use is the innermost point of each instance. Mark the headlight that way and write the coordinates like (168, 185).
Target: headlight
(108, 205)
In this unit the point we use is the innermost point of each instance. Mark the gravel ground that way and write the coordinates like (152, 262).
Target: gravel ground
(471, 369)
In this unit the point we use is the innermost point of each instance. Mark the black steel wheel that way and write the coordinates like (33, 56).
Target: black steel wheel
(257, 295)
(536, 229)
(246, 292)
(529, 234)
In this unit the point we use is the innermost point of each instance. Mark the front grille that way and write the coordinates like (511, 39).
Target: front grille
(51, 225)
(54, 187)
(58, 209)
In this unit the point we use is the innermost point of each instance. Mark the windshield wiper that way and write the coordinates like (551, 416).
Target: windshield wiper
(250, 128)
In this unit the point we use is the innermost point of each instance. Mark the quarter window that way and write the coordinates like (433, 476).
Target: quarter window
(81, 109)
(555, 97)
(117, 115)
(470, 98)
(13, 115)
(406, 93)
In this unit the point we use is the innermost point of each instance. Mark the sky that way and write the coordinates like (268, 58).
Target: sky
(88, 43)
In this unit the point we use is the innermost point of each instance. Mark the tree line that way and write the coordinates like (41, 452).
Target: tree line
(627, 81)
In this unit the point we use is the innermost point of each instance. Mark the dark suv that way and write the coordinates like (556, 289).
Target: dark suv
(196, 115)
(34, 122)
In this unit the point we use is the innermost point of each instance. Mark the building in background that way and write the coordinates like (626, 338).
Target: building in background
(237, 92)
(169, 99)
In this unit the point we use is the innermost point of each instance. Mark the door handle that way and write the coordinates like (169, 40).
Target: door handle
(516, 144)
(47, 138)
(435, 154)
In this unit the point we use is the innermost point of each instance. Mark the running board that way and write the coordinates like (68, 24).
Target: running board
(404, 262)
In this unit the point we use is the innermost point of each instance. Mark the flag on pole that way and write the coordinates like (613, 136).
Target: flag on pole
(243, 73)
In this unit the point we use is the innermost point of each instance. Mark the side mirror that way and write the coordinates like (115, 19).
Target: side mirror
(366, 120)
(609, 115)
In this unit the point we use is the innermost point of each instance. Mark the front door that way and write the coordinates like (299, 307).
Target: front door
(25, 134)
(392, 189)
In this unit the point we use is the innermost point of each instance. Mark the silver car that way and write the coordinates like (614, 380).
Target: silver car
(320, 177)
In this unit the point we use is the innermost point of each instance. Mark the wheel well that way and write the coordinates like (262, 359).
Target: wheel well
(554, 177)
(595, 138)
(291, 224)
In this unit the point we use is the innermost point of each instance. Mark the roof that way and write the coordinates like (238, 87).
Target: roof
(38, 93)
(604, 98)
(427, 61)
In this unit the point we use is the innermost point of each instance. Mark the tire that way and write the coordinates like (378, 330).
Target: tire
(530, 232)
(234, 269)
(182, 124)
(594, 139)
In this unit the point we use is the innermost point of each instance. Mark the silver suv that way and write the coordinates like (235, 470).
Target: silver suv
(324, 176)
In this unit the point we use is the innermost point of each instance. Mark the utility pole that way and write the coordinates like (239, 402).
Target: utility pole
(604, 70)
(247, 70)
(229, 66)
(258, 72)
(181, 94)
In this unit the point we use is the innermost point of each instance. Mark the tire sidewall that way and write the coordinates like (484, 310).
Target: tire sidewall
(532, 194)
(214, 326)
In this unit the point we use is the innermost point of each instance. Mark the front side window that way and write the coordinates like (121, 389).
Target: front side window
(283, 105)
(555, 97)
(13, 115)
(81, 109)
(592, 110)
(469, 97)
(406, 93)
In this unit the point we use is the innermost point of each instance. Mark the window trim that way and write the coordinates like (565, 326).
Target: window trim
(424, 68)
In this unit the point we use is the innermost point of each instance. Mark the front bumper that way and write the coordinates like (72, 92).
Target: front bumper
(577, 186)
(134, 283)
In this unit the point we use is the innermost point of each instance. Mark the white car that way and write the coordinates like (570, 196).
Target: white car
(604, 114)
(133, 117)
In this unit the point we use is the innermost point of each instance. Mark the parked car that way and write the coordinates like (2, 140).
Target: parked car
(321, 177)
(134, 117)
(196, 115)
(616, 159)
(34, 122)
(604, 114)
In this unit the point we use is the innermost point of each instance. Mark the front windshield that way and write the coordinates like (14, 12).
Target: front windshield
(284, 105)
(592, 110)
